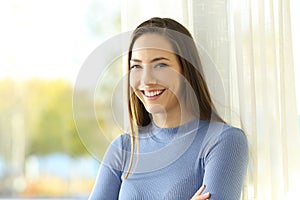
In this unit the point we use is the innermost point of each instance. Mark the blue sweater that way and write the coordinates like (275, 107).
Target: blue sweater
(174, 162)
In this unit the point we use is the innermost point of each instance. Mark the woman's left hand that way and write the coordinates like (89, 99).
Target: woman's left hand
(199, 196)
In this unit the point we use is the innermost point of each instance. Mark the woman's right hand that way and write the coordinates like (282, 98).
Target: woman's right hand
(199, 196)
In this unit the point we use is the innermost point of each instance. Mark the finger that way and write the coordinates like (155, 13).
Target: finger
(202, 188)
(205, 196)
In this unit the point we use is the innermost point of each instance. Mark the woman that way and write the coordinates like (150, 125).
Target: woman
(178, 146)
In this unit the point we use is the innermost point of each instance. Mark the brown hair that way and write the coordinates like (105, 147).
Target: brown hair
(189, 60)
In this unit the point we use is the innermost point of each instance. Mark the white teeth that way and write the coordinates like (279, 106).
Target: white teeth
(153, 93)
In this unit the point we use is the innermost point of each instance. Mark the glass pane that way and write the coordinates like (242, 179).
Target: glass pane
(43, 46)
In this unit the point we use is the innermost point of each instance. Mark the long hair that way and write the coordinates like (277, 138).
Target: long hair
(187, 54)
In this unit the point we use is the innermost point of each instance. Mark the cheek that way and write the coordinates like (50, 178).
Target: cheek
(171, 80)
(134, 80)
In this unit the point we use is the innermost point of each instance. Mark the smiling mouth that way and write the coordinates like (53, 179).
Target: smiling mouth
(152, 93)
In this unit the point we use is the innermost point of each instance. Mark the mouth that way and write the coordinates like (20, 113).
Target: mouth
(152, 93)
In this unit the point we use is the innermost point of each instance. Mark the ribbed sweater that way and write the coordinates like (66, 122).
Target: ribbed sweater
(173, 163)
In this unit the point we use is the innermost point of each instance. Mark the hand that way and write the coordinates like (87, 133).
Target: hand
(199, 196)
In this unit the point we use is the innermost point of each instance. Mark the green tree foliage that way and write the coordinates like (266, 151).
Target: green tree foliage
(46, 110)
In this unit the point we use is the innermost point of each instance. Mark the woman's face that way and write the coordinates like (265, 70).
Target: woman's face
(155, 74)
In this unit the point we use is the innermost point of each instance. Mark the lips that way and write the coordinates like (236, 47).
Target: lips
(152, 93)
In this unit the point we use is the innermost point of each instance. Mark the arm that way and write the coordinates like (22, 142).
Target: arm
(226, 165)
(107, 184)
(108, 181)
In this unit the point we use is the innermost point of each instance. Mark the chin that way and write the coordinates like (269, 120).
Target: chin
(156, 109)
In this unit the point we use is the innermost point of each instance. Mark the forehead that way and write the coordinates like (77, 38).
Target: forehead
(152, 41)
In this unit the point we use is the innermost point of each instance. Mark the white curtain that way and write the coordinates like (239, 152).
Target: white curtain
(250, 44)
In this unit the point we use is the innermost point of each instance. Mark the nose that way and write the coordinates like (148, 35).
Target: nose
(148, 76)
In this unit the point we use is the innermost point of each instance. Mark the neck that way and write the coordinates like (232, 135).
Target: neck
(172, 119)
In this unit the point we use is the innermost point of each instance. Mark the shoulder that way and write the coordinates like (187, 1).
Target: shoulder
(223, 137)
(117, 152)
(122, 142)
(234, 140)
(217, 132)
(233, 134)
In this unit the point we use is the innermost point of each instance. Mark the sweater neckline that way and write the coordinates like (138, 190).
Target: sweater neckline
(168, 134)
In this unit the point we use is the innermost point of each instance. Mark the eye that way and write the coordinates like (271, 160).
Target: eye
(135, 67)
(161, 65)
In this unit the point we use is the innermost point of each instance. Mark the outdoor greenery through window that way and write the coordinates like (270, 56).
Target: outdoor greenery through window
(43, 46)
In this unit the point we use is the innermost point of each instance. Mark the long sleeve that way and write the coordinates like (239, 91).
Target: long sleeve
(226, 165)
(108, 181)
(214, 154)
(107, 184)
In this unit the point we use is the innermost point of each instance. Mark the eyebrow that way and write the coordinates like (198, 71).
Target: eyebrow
(153, 60)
